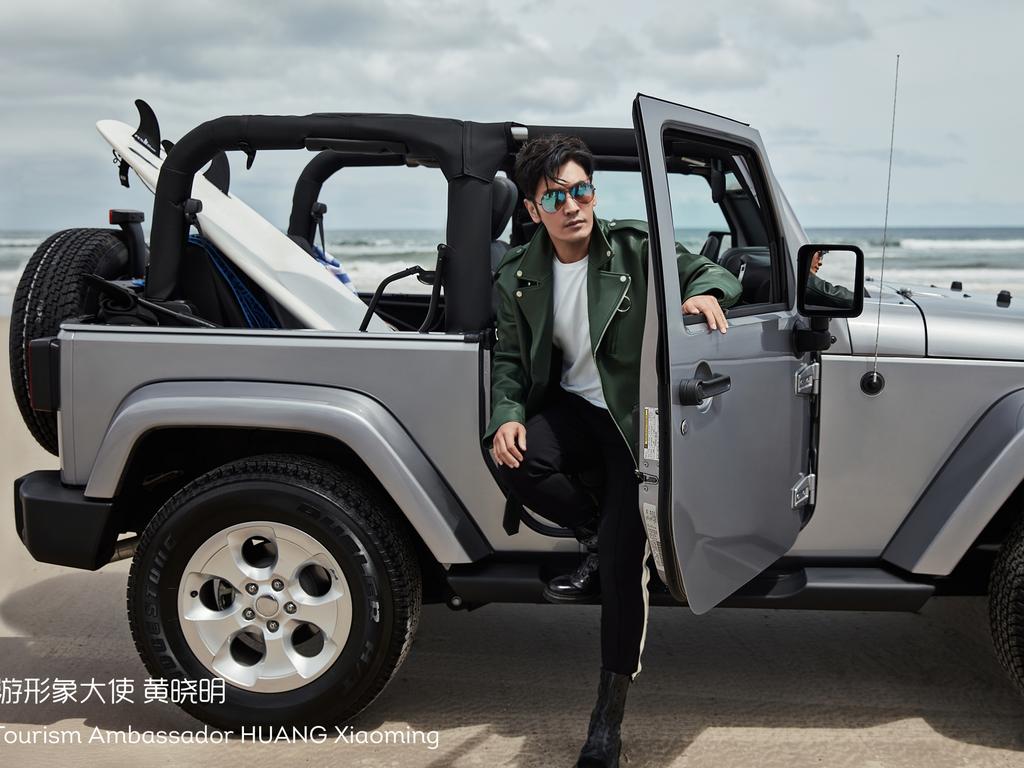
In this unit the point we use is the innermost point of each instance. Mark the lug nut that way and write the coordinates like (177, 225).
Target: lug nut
(289, 608)
(277, 584)
(249, 614)
(252, 589)
(272, 625)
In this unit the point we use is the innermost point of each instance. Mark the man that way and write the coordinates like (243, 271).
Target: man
(566, 377)
(823, 293)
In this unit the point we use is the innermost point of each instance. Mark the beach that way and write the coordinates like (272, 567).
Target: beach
(513, 684)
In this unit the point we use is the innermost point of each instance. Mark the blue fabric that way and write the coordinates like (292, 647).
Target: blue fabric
(334, 267)
(255, 314)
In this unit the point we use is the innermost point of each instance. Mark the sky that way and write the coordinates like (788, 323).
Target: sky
(815, 77)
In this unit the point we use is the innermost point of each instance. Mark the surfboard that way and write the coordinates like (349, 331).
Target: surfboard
(266, 254)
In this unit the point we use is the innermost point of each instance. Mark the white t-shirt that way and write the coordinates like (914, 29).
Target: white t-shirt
(571, 331)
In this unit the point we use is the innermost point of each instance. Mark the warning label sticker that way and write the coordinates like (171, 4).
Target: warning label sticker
(650, 431)
(653, 534)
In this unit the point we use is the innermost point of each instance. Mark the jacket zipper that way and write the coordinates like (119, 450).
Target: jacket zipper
(594, 355)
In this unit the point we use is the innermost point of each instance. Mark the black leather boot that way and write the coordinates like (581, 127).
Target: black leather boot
(604, 740)
(584, 584)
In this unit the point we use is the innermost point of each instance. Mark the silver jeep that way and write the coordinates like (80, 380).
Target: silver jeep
(295, 469)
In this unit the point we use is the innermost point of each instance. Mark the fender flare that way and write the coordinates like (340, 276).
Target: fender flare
(965, 494)
(353, 418)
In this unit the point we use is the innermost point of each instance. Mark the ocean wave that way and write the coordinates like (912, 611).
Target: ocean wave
(373, 243)
(986, 275)
(427, 240)
(9, 281)
(20, 242)
(414, 252)
(988, 244)
(13, 261)
(366, 276)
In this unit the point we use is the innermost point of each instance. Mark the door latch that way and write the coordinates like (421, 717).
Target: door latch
(642, 478)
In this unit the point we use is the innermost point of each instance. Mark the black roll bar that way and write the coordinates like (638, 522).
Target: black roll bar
(467, 154)
(325, 164)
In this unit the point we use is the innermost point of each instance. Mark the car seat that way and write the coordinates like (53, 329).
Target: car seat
(752, 266)
(504, 196)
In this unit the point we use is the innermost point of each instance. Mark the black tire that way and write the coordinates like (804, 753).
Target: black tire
(52, 288)
(1006, 605)
(349, 517)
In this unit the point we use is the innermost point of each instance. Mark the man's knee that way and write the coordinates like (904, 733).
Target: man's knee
(523, 477)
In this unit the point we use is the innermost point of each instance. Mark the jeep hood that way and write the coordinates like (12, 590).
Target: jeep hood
(959, 324)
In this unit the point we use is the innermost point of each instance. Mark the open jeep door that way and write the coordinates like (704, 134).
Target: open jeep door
(724, 434)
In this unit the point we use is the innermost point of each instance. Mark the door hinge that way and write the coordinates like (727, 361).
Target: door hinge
(808, 379)
(643, 478)
(804, 491)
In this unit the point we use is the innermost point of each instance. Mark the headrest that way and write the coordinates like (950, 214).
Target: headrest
(504, 194)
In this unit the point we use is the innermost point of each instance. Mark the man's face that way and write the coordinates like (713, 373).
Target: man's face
(816, 261)
(574, 221)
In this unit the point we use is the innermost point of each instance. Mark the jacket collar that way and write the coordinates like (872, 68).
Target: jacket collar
(536, 262)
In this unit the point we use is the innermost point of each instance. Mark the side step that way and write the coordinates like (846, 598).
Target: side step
(811, 588)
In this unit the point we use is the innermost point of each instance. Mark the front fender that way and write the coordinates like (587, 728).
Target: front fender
(355, 419)
(965, 494)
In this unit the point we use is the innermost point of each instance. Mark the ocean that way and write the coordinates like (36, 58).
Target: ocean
(985, 260)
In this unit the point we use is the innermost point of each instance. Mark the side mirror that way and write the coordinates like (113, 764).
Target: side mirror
(830, 280)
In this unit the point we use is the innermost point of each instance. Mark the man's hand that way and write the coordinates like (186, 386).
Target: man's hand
(710, 308)
(503, 447)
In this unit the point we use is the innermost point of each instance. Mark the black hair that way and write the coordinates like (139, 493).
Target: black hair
(540, 158)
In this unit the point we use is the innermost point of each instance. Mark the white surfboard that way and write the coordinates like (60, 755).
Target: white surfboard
(265, 253)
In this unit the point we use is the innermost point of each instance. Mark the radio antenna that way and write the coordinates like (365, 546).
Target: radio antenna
(873, 381)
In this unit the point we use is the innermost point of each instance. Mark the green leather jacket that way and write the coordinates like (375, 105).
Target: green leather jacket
(825, 294)
(523, 363)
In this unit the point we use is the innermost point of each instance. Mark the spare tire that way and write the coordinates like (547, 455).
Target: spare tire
(52, 289)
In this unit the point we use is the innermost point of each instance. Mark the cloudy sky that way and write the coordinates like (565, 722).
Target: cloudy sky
(814, 76)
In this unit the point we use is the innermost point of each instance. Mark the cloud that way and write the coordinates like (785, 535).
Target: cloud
(909, 158)
(64, 65)
(791, 134)
(809, 22)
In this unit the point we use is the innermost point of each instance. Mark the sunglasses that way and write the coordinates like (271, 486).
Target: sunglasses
(554, 199)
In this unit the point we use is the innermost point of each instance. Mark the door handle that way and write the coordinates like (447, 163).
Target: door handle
(692, 391)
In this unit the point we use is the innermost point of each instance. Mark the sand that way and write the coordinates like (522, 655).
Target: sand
(513, 685)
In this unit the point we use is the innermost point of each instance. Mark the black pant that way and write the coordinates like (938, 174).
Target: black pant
(569, 435)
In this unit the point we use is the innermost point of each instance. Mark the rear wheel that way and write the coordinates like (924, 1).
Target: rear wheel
(1006, 605)
(290, 579)
(52, 288)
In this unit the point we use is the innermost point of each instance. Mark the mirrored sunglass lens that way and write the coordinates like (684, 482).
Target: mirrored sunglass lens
(583, 192)
(552, 200)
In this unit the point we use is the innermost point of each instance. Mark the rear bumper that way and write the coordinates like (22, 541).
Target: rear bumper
(58, 525)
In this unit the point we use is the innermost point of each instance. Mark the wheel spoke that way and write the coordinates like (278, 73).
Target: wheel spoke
(291, 559)
(279, 660)
(225, 665)
(215, 627)
(331, 614)
(237, 540)
(308, 666)
(227, 564)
